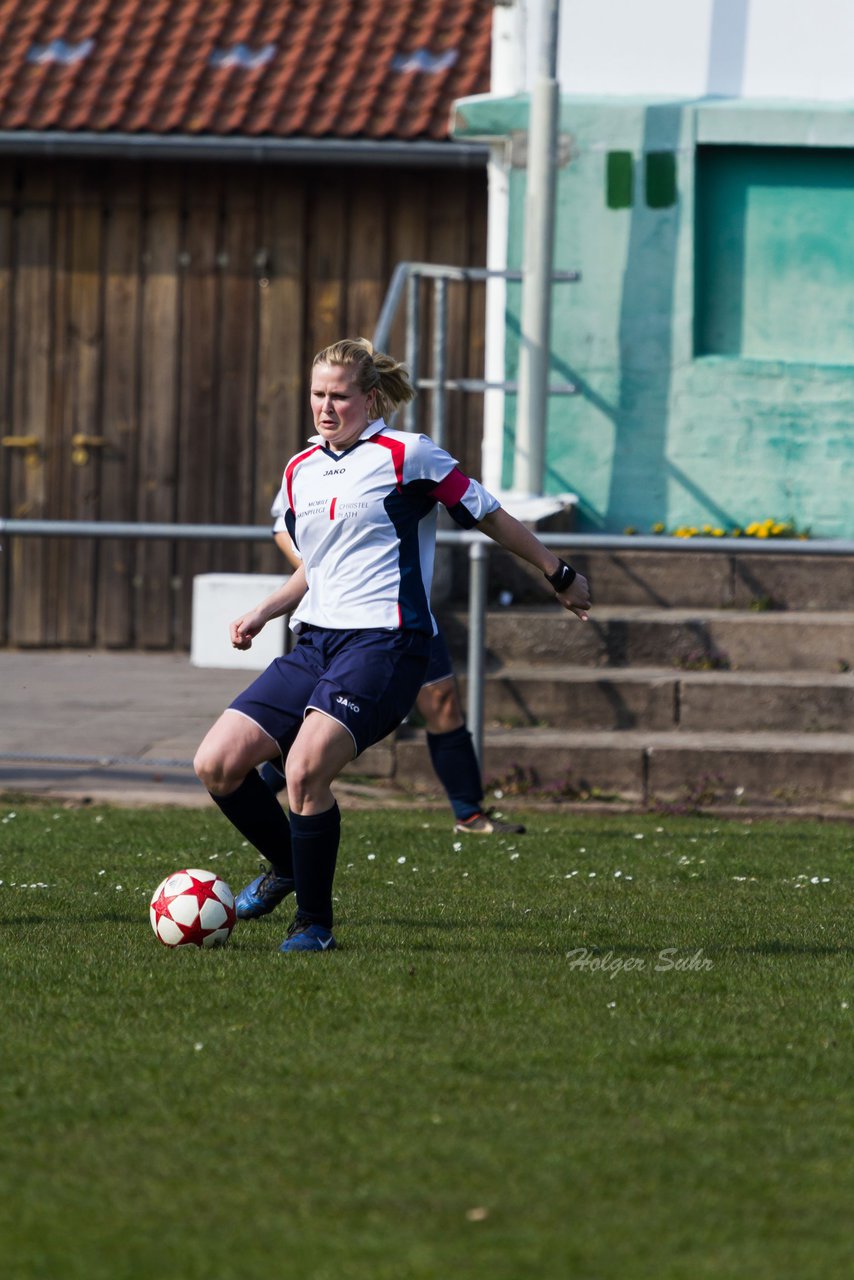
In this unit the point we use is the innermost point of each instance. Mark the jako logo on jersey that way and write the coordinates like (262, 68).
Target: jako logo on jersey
(345, 702)
(335, 471)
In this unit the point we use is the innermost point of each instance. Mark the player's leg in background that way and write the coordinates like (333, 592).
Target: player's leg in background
(454, 760)
(273, 776)
(451, 748)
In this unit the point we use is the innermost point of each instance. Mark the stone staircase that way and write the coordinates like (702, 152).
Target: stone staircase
(702, 679)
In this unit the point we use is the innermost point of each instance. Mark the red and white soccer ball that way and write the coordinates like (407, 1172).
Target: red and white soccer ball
(192, 909)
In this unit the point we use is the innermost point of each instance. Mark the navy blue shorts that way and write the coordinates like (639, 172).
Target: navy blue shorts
(367, 680)
(439, 667)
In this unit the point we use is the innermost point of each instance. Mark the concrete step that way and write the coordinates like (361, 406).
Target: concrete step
(686, 579)
(661, 699)
(647, 768)
(691, 639)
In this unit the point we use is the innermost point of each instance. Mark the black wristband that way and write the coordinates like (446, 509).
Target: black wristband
(563, 577)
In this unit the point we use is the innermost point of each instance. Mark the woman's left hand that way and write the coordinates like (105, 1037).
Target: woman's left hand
(576, 598)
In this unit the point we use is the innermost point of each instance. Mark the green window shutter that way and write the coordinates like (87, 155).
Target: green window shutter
(619, 183)
(660, 179)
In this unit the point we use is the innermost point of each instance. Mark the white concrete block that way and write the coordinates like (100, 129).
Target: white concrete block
(219, 598)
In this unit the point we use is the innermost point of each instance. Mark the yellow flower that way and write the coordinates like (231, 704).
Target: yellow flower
(658, 527)
(630, 529)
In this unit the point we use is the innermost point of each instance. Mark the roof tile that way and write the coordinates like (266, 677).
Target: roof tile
(277, 68)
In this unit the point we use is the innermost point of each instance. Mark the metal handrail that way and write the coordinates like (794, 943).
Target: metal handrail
(436, 271)
(478, 549)
(406, 279)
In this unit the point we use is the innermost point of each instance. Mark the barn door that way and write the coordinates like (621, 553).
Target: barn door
(156, 322)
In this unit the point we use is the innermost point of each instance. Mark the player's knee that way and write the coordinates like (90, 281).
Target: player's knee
(213, 771)
(303, 780)
(309, 778)
(205, 765)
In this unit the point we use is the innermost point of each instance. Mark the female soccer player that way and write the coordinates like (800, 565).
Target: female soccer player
(360, 505)
(449, 742)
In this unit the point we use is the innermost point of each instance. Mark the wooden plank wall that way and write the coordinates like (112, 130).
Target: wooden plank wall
(116, 465)
(167, 315)
(7, 356)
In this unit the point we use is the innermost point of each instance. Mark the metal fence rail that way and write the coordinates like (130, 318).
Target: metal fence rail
(478, 551)
(570, 541)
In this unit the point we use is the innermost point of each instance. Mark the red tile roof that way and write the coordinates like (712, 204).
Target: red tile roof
(262, 68)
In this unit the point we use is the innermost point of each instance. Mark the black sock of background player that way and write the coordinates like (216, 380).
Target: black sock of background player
(455, 764)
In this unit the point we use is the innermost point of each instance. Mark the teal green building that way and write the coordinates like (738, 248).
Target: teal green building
(711, 335)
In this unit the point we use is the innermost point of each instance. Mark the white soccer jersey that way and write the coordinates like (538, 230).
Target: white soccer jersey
(364, 523)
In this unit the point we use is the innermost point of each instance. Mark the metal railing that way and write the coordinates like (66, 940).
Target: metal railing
(478, 552)
(406, 282)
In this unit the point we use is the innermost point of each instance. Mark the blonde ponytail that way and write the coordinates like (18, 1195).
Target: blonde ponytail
(376, 372)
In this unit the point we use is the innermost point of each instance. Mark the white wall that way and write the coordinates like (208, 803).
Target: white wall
(801, 49)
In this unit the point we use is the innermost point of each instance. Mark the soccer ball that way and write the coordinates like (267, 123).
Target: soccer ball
(192, 909)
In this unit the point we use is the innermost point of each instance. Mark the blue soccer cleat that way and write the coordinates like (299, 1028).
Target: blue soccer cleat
(263, 895)
(303, 935)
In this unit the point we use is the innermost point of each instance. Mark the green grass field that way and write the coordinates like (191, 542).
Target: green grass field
(616, 1047)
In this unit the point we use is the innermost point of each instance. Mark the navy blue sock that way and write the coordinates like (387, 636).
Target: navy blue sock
(456, 767)
(259, 817)
(271, 775)
(315, 839)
